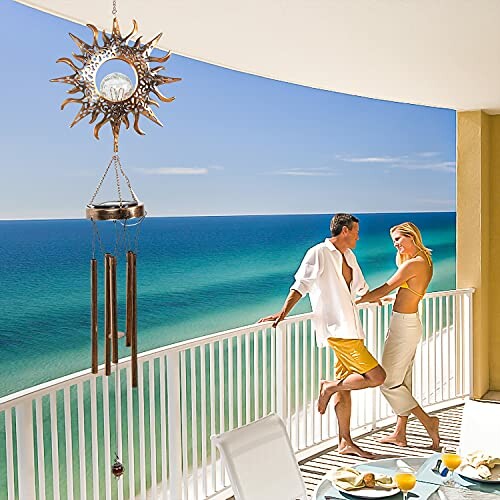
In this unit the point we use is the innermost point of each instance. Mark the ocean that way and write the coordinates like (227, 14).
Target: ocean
(196, 275)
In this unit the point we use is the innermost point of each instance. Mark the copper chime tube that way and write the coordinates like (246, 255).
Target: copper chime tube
(130, 292)
(132, 313)
(93, 315)
(114, 310)
(107, 313)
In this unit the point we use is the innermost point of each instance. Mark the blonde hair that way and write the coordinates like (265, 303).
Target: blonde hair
(409, 229)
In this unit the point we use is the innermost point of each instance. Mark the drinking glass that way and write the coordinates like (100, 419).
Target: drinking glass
(406, 481)
(451, 459)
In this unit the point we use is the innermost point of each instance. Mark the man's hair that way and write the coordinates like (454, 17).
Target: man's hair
(339, 221)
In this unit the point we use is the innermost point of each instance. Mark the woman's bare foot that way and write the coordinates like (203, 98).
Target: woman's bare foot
(394, 439)
(325, 393)
(351, 449)
(433, 431)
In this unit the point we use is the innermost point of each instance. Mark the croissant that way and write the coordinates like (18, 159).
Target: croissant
(483, 471)
(369, 480)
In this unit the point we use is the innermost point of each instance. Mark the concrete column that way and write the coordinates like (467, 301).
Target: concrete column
(494, 288)
(478, 238)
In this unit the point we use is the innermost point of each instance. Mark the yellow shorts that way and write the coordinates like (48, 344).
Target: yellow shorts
(352, 357)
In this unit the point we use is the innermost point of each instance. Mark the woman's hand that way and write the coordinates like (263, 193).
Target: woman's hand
(373, 300)
(388, 299)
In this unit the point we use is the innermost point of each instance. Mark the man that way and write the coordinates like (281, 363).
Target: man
(330, 274)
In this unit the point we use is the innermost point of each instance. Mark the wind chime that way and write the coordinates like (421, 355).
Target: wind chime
(112, 102)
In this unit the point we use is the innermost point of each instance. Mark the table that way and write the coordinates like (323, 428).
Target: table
(443, 493)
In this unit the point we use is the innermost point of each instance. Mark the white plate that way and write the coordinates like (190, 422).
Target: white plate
(468, 472)
(370, 492)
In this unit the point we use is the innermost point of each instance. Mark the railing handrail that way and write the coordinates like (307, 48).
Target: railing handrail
(84, 375)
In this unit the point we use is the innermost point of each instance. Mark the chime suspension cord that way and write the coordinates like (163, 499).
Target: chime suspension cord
(96, 237)
(117, 238)
(127, 180)
(116, 163)
(91, 202)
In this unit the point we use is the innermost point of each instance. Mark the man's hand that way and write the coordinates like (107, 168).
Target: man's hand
(291, 300)
(275, 318)
(360, 300)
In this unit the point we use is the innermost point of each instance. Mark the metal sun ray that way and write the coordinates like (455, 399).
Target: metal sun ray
(83, 80)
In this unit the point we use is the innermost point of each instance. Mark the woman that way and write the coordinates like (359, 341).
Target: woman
(405, 330)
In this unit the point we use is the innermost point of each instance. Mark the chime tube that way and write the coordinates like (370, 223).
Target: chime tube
(93, 313)
(130, 292)
(133, 319)
(114, 309)
(107, 313)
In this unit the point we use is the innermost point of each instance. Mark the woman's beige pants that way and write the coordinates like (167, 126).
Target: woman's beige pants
(405, 331)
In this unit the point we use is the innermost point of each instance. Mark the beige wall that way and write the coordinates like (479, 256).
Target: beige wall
(478, 238)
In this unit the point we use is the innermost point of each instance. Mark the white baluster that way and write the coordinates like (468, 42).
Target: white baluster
(469, 347)
(371, 332)
(174, 424)
(10, 454)
(69, 442)
(281, 377)
(25, 449)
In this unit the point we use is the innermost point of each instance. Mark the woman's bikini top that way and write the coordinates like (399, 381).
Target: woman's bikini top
(405, 284)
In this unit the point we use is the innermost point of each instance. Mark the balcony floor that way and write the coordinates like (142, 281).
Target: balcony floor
(315, 467)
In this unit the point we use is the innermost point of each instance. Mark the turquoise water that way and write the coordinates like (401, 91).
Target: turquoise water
(196, 275)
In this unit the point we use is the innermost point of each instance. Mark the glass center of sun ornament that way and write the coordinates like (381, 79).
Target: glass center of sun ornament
(116, 87)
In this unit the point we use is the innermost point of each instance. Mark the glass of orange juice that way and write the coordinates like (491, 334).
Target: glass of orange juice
(451, 459)
(406, 481)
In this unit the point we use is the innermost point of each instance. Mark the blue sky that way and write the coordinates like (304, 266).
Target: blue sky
(231, 143)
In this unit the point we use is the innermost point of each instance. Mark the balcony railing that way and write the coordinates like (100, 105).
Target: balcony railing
(58, 440)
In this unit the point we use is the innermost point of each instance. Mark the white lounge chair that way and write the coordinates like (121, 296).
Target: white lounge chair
(260, 461)
(480, 429)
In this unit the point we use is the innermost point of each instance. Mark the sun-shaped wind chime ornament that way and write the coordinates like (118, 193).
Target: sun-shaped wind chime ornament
(116, 101)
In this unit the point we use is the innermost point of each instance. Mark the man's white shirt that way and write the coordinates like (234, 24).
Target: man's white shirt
(320, 276)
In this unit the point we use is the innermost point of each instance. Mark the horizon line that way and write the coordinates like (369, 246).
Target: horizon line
(27, 219)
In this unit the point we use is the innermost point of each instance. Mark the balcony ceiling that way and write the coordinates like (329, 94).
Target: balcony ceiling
(443, 53)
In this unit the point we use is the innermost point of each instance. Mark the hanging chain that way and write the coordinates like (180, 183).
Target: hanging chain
(116, 160)
(137, 232)
(114, 11)
(100, 182)
(126, 239)
(117, 238)
(127, 180)
(97, 237)
(93, 238)
(121, 236)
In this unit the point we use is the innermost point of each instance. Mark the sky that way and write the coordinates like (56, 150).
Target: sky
(231, 143)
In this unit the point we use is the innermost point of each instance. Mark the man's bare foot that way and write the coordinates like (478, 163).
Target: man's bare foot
(325, 393)
(352, 449)
(434, 433)
(394, 439)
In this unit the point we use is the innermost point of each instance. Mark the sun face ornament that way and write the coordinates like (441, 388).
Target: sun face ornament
(117, 97)
(117, 101)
